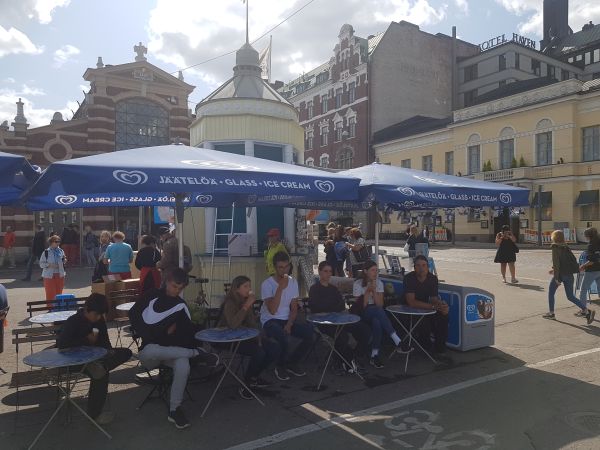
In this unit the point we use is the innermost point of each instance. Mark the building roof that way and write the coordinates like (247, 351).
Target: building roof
(576, 41)
(513, 88)
(409, 127)
(246, 81)
(310, 78)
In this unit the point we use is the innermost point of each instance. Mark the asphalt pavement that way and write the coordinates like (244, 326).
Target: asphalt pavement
(536, 388)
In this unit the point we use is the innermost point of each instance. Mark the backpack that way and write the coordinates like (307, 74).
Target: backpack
(571, 264)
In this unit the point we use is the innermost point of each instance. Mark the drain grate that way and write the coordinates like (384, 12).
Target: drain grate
(587, 422)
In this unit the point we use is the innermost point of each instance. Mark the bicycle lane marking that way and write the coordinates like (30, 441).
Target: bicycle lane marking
(358, 416)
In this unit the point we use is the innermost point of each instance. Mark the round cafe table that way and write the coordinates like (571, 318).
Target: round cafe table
(232, 336)
(404, 310)
(51, 317)
(338, 320)
(55, 358)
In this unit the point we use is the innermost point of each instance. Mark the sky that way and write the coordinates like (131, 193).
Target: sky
(46, 45)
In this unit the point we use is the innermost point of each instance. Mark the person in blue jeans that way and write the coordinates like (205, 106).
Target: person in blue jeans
(369, 290)
(278, 317)
(564, 265)
(591, 267)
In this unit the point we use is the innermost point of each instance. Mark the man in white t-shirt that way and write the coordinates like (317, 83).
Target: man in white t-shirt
(278, 315)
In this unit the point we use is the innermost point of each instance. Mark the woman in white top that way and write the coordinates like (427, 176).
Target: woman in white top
(52, 262)
(369, 290)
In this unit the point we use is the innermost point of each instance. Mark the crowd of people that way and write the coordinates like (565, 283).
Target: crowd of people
(110, 256)
(162, 320)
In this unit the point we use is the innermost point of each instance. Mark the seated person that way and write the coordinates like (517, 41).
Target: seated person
(145, 261)
(162, 320)
(421, 290)
(238, 312)
(88, 328)
(369, 304)
(278, 317)
(325, 297)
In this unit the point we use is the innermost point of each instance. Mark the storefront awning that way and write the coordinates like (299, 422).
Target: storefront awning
(587, 198)
(546, 199)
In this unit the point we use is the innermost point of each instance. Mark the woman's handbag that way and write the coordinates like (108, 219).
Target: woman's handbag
(516, 247)
(406, 247)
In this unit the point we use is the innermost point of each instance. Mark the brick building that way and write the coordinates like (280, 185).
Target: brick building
(128, 105)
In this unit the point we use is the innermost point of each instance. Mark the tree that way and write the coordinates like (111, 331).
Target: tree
(522, 162)
(513, 163)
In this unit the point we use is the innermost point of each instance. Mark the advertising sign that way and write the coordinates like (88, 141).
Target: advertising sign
(478, 308)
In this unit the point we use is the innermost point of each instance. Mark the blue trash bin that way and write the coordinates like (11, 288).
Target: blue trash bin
(65, 302)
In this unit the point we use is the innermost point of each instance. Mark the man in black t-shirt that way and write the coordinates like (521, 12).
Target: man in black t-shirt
(421, 290)
(324, 297)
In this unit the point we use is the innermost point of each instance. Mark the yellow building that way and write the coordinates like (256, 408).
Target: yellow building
(548, 137)
(244, 116)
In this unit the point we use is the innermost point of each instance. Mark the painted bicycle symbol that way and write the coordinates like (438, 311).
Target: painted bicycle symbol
(417, 429)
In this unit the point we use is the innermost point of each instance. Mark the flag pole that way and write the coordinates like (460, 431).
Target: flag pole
(270, 51)
(247, 35)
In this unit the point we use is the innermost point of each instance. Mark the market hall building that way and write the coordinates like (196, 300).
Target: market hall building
(129, 105)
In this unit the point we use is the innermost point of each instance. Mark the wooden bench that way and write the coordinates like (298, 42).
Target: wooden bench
(43, 306)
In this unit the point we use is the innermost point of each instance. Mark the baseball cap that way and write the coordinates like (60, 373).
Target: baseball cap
(163, 230)
(273, 232)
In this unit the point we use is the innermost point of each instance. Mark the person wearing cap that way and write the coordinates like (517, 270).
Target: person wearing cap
(275, 246)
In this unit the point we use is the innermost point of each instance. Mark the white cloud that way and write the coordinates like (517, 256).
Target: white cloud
(580, 13)
(13, 41)
(36, 117)
(45, 8)
(64, 54)
(22, 11)
(32, 91)
(215, 27)
(462, 5)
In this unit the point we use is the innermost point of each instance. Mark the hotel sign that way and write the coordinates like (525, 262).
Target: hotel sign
(502, 39)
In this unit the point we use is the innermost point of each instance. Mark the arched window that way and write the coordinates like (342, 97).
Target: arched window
(140, 123)
(473, 154)
(309, 162)
(543, 143)
(507, 147)
(324, 160)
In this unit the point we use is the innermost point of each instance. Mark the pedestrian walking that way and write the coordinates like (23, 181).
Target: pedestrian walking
(591, 267)
(38, 244)
(52, 262)
(90, 247)
(8, 248)
(506, 253)
(413, 239)
(101, 269)
(564, 265)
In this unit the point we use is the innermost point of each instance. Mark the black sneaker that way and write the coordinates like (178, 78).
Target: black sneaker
(245, 393)
(178, 418)
(549, 316)
(281, 373)
(205, 358)
(258, 382)
(590, 316)
(295, 370)
(376, 362)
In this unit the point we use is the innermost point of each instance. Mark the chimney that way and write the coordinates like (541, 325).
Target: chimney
(556, 21)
